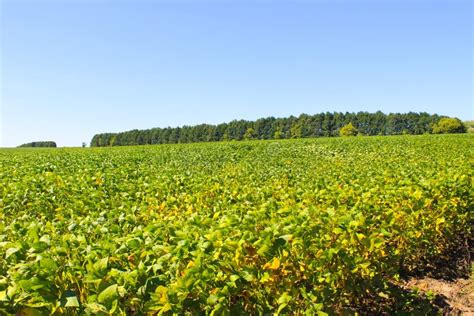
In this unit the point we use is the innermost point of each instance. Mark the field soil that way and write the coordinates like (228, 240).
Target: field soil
(449, 278)
(453, 297)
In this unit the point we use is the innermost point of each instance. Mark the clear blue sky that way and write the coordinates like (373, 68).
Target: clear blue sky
(71, 69)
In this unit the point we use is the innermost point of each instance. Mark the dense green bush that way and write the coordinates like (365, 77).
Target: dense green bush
(348, 130)
(469, 126)
(448, 125)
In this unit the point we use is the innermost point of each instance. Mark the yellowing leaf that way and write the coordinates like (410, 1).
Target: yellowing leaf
(272, 265)
(417, 195)
(162, 293)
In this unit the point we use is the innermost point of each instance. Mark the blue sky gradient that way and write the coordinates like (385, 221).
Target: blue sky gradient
(71, 69)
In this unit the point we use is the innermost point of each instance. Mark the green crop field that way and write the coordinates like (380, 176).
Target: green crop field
(308, 226)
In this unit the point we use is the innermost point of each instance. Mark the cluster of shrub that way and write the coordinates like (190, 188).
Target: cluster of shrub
(319, 125)
(446, 125)
(469, 126)
(39, 144)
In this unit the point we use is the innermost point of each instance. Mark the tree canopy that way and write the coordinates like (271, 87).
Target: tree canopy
(448, 125)
(39, 144)
(318, 125)
(348, 130)
(469, 126)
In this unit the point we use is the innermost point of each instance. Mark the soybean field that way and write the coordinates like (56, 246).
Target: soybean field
(307, 226)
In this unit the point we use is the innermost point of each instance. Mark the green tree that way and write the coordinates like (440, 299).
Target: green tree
(448, 125)
(322, 124)
(348, 130)
(296, 130)
(225, 137)
(249, 134)
(469, 126)
(277, 134)
(40, 144)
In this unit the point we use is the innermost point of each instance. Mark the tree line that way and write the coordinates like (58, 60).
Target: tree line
(319, 125)
(39, 144)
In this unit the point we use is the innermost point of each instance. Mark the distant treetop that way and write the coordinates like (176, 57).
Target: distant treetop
(39, 144)
(469, 126)
(448, 125)
(318, 125)
(348, 130)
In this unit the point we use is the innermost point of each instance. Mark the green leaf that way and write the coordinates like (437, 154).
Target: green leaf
(234, 278)
(133, 243)
(287, 238)
(212, 299)
(100, 267)
(49, 265)
(109, 295)
(263, 250)
(72, 301)
(337, 231)
(284, 298)
(95, 308)
(11, 251)
(247, 276)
